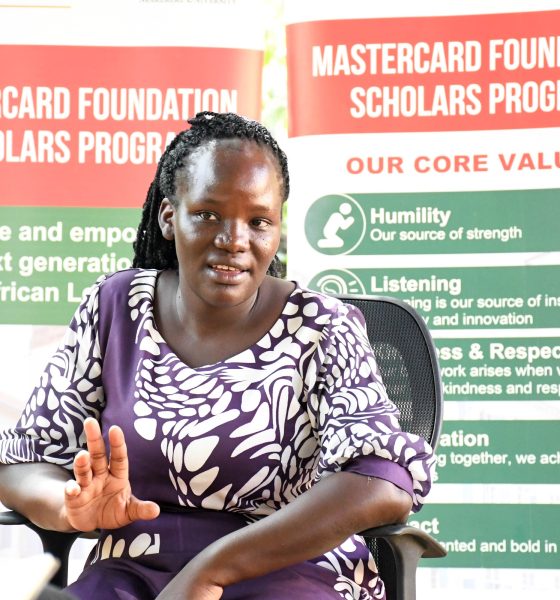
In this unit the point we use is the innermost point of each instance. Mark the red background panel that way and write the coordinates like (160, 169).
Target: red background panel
(109, 185)
(321, 105)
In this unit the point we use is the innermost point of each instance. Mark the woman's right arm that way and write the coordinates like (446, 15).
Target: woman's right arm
(36, 490)
(71, 379)
(99, 497)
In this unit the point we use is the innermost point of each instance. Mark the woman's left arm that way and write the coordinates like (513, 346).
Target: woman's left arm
(314, 523)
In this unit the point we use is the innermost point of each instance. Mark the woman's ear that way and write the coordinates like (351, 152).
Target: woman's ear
(165, 219)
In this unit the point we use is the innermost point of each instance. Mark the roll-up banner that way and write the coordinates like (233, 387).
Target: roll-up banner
(90, 95)
(425, 161)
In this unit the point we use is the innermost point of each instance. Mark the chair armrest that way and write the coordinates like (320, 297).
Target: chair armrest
(430, 547)
(408, 544)
(11, 517)
(57, 543)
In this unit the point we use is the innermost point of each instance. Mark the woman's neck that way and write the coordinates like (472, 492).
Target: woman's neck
(193, 313)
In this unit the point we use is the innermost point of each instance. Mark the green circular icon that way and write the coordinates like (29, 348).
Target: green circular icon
(335, 224)
(337, 282)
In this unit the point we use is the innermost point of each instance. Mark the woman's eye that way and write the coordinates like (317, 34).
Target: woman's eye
(207, 216)
(260, 223)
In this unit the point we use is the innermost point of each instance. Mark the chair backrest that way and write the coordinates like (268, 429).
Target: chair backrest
(407, 359)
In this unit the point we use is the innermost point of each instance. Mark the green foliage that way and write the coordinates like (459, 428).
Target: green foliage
(274, 92)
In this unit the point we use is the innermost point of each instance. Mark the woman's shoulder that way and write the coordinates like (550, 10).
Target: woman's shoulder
(123, 282)
(325, 303)
(126, 288)
(333, 313)
(124, 296)
(127, 277)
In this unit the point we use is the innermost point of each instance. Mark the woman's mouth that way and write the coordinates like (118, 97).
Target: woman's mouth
(226, 268)
(227, 273)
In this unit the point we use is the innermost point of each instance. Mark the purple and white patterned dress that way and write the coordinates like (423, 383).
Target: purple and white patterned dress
(221, 445)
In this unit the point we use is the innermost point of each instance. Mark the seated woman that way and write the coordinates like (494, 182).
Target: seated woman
(259, 436)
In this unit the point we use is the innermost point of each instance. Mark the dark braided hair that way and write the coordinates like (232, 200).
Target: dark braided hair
(151, 249)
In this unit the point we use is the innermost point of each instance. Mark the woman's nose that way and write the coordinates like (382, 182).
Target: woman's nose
(233, 237)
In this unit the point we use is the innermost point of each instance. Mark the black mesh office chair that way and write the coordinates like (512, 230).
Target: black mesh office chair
(407, 359)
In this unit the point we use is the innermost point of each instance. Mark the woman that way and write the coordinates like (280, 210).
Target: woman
(240, 396)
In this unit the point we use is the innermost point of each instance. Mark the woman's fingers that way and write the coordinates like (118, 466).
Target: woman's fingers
(82, 469)
(96, 447)
(118, 461)
(94, 462)
(72, 488)
(142, 509)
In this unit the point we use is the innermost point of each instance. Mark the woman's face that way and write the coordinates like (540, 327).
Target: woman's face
(225, 220)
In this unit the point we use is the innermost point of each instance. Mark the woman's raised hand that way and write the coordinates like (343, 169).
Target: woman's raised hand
(101, 496)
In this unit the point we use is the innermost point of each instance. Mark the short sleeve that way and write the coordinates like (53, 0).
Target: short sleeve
(354, 418)
(50, 428)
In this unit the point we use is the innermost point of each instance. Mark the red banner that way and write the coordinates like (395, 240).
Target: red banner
(84, 126)
(498, 71)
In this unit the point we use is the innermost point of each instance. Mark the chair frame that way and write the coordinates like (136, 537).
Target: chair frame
(403, 544)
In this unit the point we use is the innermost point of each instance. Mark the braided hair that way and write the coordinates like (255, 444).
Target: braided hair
(151, 249)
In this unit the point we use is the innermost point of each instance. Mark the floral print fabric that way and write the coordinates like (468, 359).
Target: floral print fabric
(241, 437)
